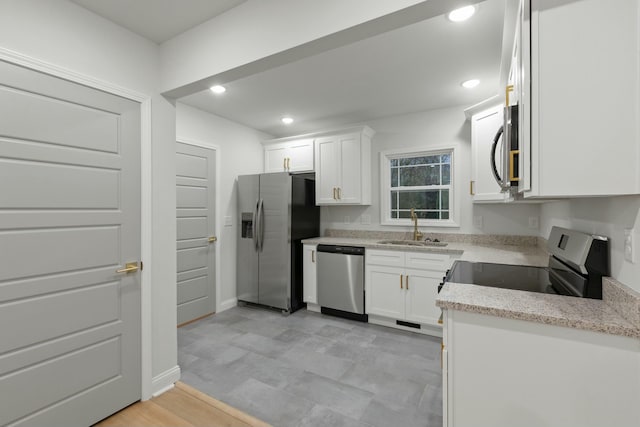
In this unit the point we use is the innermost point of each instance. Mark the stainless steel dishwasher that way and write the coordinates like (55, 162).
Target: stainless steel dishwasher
(340, 274)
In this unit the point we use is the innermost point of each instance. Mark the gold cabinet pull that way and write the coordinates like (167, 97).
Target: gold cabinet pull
(288, 163)
(334, 194)
(401, 281)
(313, 256)
(213, 239)
(284, 163)
(406, 282)
(512, 161)
(507, 91)
(471, 188)
(129, 268)
(339, 193)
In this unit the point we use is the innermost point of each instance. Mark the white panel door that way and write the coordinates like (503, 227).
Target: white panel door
(422, 290)
(69, 218)
(300, 156)
(195, 213)
(309, 270)
(484, 127)
(385, 291)
(275, 158)
(327, 171)
(350, 188)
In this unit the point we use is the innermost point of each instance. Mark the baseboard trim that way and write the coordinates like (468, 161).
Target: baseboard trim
(165, 381)
(226, 305)
(313, 307)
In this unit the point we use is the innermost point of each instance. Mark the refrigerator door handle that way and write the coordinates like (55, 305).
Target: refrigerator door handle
(255, 224)
(261, 224)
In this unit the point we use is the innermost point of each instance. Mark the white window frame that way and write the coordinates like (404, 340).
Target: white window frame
(385, 186)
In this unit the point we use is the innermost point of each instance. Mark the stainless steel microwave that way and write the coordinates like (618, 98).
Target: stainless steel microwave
(505, 144)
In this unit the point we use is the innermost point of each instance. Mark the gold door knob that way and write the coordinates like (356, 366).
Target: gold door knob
(129, 268)
(212, 239)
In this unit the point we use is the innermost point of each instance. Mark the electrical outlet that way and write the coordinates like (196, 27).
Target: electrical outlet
(347, 220)
(629, 245)
(365, 219)
(477, 221)
(228, 221)
(533, 222)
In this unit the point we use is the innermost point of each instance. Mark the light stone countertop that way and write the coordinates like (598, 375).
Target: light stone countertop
(475, 252)
(579, 313)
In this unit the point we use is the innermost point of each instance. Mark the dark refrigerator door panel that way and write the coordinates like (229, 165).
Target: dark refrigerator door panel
(274, 255)
(247, 262)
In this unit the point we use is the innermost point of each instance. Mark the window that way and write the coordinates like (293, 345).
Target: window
(422, 180)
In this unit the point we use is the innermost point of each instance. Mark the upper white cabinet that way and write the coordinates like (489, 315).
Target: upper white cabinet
(484, 127)
(580, 94)
(288, 155)
(343, 167)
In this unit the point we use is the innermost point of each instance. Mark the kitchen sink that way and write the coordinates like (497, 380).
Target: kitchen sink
(411, 243)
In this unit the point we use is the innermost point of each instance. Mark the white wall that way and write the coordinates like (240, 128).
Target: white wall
(607, 216)
(64, 34)
(240, 153)
(425, 129)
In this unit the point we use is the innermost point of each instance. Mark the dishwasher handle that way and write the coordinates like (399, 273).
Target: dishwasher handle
(339, 249)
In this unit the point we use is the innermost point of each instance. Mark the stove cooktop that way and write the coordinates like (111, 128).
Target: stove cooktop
(518, 277)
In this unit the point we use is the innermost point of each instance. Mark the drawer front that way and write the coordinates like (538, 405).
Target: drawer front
(428, 261)
(378, 257)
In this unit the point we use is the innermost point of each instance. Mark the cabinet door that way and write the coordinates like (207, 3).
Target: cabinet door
(422, 290)
(309, 289)
(385, 292)
(484, 127)
(275, 158)
(327, 170)
(350, 187)
(300, 156)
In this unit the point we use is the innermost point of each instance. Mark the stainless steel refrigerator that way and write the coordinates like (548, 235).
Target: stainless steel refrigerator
(276, 211)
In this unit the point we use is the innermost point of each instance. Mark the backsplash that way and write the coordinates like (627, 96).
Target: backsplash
(623, 299)
(479, 239)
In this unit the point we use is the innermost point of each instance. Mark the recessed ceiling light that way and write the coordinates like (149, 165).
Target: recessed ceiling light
(470, 84)
(461, 14)
(287, 120)
(217, 89)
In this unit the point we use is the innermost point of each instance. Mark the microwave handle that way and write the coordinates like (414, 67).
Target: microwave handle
(494, 167)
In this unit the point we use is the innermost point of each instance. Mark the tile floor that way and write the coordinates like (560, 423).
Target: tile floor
(309, 369)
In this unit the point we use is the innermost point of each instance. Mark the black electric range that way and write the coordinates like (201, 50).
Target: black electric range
(577, 263)
(519, 277)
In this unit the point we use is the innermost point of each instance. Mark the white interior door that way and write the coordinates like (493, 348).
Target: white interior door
(69, 218)
(195, 202)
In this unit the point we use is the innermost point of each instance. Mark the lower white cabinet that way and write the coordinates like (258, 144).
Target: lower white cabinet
(502, 372)
(404, 285)
(309, 288)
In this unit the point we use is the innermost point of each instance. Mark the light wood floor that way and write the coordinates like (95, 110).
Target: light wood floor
(182, 406)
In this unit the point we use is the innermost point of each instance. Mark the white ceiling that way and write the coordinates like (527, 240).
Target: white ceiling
(158, 20)
(415, 68)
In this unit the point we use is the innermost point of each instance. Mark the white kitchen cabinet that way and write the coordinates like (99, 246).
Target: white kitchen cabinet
(343, 167)
(404, 285)
(502, 372)
(289, 155)
(484, 126)
(309, 269)
(580, 94)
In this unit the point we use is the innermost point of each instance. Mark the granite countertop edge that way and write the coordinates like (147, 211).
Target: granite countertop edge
(578, 313)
